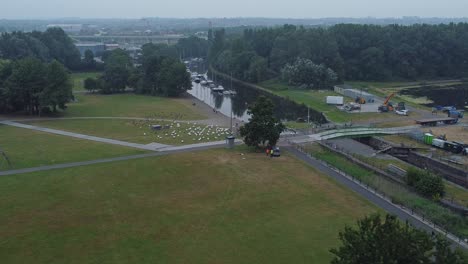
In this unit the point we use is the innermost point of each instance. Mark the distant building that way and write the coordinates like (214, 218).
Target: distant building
(69, 28)
(112, 46)
(348, 91)
(96, 48)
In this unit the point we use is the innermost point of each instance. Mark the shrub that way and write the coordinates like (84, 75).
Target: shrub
(425, 183)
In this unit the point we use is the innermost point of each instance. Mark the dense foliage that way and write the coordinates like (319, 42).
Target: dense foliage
(34, 87)
(388, 241)
(159, 73)
(53, 44)
(193, 47)
(425, 183)
(354, 52)
(262, 128)
(305, 72)
(118, 67)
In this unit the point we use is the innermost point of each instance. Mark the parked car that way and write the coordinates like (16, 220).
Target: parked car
(402, 112)
(276, 152)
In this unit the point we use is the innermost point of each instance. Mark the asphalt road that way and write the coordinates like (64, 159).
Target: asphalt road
(381, 202)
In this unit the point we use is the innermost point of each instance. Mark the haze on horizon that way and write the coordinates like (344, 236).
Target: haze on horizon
(43, 9)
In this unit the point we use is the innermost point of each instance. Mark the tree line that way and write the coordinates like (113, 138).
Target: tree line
(32, 86)
(53, 44)
(157, 73)
(385, 240)
(353, 52)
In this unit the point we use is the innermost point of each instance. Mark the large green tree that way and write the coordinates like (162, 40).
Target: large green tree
(263, 128)
(32, 86)
(175, 80)
(53, 44)
(58, 90)
(25, 85)
(88, 61)
(388, 241)
(117, 71)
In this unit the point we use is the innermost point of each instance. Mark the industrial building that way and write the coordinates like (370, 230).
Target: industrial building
(347, 90)
(96, 48)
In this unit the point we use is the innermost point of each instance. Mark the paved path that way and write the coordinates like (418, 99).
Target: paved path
(152, 146)
(212, 121)
(377, 199)
(171, 150)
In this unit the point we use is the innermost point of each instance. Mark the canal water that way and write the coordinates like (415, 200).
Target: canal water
(456, 95)
(285, 110)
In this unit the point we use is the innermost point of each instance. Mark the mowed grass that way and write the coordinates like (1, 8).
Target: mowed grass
(131, 105)
(456, 193)
(453, 222)
(317, 100)
(27, 148)
(79, 77)
(214, 206)
(139, 131)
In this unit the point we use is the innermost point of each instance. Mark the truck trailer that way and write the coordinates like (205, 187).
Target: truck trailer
(335, 100)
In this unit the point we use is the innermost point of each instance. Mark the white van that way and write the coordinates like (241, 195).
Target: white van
(438, 143)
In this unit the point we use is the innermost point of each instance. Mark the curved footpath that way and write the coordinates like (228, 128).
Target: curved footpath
(377, 199)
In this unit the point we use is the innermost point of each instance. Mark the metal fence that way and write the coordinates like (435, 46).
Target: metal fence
(413, 212)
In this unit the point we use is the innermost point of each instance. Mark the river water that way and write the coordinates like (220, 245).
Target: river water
(285, 110)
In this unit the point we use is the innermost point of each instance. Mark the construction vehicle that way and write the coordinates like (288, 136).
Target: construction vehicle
(447, 109)
(401, 106)
(351, 107)
(387, 106)
(360, 100)
(455, 114)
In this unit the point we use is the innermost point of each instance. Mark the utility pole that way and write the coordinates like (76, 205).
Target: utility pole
(231, 104)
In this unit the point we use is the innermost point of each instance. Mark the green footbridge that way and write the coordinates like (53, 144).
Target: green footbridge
(352, 132)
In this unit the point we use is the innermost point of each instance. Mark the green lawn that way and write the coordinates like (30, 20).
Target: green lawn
(27, 148)
(215, 206)
(79, 77)
(317, 101)
(453, 222)
(131, 105)
(139, 131)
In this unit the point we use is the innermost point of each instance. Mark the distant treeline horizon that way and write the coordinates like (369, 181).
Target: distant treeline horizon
(201, 23)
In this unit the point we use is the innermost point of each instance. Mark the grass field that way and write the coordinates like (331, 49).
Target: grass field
(458, 194)
(214, 206)
(453, 222)
(316, 100)
(139, 131)
(27, 148)
(131, 105)
(79, 77)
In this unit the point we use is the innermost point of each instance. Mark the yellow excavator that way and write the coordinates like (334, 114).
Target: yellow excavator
(387, 106)
(360, 100)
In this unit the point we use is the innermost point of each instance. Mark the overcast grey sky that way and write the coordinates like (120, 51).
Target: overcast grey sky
(231, 8)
